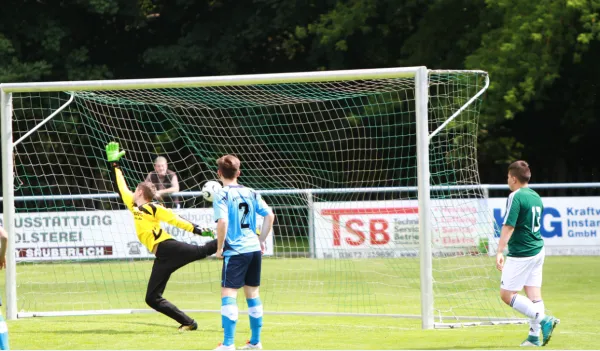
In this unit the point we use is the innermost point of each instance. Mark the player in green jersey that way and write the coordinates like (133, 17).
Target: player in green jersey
(523, 265)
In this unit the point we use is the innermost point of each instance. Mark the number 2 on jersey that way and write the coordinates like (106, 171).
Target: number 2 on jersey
(536, 214)
(244, 209)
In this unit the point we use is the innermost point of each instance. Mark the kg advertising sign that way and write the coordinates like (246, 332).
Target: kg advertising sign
(569, 225)
(55, 236)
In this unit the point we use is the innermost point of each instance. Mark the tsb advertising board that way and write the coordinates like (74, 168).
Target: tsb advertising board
(391, 228)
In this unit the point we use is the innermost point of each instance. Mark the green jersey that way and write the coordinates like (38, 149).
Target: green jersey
(523, 212)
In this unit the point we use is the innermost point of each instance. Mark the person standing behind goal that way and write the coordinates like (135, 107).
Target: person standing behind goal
(166, 183)
(523, 266)
(235, 209)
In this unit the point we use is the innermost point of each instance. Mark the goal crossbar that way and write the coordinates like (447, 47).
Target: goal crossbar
(195, 82)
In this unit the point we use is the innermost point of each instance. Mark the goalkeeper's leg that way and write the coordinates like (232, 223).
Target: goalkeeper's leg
(170, 256)
(203, 251)
(161, 272)
(181, 253)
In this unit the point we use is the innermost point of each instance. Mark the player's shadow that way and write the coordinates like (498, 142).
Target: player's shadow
(171, 327)
(96, 332)
(151, 327)
(154, 325)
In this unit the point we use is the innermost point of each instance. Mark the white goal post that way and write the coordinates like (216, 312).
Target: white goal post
(417, 81)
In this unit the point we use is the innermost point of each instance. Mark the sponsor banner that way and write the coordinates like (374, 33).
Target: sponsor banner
(391, 228)
(49, 236)
(64, 252)
(569, 225)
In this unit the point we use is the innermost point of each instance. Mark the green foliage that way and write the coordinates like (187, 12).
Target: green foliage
(528, 47)
(11, 69)
(524, 54)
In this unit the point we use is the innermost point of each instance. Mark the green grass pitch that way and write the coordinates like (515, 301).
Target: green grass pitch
(571, 292)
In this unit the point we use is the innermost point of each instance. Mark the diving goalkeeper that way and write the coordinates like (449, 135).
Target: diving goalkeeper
(170, 253)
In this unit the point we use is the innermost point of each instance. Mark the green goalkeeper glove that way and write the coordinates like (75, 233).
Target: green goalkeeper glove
(112, 152)
(204, 232)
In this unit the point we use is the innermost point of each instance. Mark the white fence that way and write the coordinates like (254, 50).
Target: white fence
(570, 225)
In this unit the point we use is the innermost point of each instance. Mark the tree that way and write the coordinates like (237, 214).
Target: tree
(539, 54)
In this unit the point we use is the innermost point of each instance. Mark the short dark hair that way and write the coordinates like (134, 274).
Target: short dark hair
(148, 190)
(520, 170)
(229, 165)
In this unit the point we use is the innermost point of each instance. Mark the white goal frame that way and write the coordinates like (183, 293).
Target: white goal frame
(420, 75)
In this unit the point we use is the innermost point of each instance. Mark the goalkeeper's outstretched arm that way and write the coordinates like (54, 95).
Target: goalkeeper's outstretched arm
(126, 194)
(113, 155)
(167, 215)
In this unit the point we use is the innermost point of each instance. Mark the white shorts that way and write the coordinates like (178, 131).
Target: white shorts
(522, 271)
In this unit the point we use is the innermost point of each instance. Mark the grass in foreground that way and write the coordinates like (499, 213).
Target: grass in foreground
(571, 292)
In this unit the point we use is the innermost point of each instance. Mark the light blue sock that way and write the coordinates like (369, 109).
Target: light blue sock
(3, 334)
(255, 311)
(229, 317)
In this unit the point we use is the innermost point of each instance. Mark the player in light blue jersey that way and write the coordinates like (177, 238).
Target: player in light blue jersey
(241, 249)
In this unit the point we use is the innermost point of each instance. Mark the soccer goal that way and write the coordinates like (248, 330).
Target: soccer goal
(372, 175)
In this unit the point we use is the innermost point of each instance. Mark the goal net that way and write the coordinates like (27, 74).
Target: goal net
(335, 155)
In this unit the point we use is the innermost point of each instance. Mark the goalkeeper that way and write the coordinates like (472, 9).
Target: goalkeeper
(170, 254)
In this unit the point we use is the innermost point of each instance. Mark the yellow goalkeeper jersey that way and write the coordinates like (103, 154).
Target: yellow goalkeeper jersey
(148, 216)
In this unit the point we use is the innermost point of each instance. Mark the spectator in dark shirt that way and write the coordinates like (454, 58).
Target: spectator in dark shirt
(166, 183)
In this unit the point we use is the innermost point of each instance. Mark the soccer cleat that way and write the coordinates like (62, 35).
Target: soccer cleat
(548, 324)
(250, 346)
(192, 326)
(532, 341)
(222, 347)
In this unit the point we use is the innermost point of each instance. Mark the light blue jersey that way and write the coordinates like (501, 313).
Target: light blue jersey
(239, 205)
